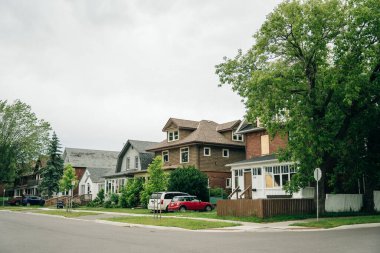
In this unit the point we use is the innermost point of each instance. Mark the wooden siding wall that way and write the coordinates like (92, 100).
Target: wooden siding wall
(264, 207)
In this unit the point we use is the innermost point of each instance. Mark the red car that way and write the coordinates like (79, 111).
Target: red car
(15, 201)
(183, 203)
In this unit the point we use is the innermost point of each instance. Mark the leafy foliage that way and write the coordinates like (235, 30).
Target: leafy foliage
(130, 194)
(189, 179)
(98, 201)
(157, 180)
(23, 138)
(68, 178)
(218, 192)
(53, 171)
(314, 73)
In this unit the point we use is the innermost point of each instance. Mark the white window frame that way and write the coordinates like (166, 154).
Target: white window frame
(128, 163)
(165, 152)
(136, 162)
(237, 137)
(188, 154)
(228, 152)
(174, 135)
(204, 151)
(228, 183)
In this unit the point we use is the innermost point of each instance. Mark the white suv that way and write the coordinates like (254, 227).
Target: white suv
(161, 200)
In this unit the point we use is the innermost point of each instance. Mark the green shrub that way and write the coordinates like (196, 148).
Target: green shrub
(130, 194)
(190, 180)
(218, 192)
(114, 198)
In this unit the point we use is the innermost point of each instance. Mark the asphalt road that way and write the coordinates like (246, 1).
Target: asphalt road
(21, 232)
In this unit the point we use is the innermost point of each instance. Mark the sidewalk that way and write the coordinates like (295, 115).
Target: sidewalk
(245, 226)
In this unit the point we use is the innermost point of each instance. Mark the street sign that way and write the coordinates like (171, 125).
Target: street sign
(317, 174)
(317, 177)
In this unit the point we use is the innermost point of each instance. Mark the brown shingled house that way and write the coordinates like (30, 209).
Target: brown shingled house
(207, 145)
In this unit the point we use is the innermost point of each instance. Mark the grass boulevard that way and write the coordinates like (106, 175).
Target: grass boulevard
(144, 217)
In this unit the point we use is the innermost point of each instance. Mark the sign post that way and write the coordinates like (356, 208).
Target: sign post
(317, 177)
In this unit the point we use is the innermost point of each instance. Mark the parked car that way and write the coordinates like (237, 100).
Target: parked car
(161, 200)
(33, 200)
(183, 203)
(15, 201)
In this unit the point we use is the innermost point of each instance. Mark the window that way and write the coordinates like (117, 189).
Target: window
(207, 151)
(228, 183)
(184, 155)
(278, 176)
(173, 135)
(225, 152)
(165, 156)
(136, 162)
(237, 137)
(256, 171)
(265, 145)
(128, 163)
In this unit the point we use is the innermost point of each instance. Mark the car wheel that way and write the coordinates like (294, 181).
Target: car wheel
(208, 208)
(182, 209)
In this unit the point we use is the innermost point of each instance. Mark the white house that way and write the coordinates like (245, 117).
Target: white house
(261, 175)
(92, 181)
(133, 161)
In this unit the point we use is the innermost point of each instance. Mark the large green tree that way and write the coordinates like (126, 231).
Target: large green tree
(314, 72)
(190, 180)
(53, 171)
(23, 138)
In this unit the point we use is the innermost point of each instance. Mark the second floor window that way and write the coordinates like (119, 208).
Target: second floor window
(128, 163)
(207, 151)
(237, 137)
(165, 156)
(173, 135)
(184, 155)
(136, 162)
(225, 152)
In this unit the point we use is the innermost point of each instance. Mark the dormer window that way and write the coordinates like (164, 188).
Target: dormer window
(173, 135)
(237, 137)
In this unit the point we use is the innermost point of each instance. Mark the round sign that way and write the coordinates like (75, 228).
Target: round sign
(317, 174)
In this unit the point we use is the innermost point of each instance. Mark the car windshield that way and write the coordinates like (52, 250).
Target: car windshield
(156, 195)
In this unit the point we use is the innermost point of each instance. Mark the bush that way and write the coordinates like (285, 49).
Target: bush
(218, 192)
(130, 194)
(98, 201)
(190, 180)
(114, 198)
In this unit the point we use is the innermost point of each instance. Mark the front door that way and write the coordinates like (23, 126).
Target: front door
(248, 183)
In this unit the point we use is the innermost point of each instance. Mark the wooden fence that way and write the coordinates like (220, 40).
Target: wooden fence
(264, 207)
(80, 200)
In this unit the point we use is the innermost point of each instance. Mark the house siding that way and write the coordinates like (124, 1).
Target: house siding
(216, 162)
(218, 179)
(253, 144)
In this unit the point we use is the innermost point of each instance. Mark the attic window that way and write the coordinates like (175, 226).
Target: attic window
(237, 137)
(173, 135)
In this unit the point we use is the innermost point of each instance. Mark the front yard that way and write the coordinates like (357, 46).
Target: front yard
(340, 221)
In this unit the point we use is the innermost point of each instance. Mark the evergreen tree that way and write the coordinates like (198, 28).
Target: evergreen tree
(53, 171)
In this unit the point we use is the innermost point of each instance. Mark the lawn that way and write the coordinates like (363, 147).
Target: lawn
(64, 213)
(18, 208)
(117, 210)
(336, 222)
(174, 222)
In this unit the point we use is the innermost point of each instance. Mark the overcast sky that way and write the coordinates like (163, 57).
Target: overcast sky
(102, 72)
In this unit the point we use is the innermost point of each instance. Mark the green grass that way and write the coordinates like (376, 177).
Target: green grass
(340, 221)
(19, 208)
(174, 222)
(117, 210)
(64, 213)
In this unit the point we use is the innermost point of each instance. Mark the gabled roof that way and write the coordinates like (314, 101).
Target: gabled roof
(97, 174)
(206, 133)
(181, 124)
(227, 126)
(140, 146)
(90, 158)
(246, 127)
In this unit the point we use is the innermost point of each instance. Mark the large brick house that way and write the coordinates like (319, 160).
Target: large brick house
(205, 144)
(261, 175)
